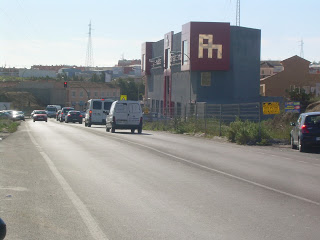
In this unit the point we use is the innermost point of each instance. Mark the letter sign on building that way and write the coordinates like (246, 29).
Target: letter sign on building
(210, 46)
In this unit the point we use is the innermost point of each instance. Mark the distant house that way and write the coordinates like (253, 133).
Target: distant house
(295, 74)
(269, 68)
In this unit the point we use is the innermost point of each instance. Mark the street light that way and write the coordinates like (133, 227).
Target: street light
(177, 53)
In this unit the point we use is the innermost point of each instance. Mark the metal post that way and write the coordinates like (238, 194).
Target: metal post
(259, 137)
(220, 120)
(205, 119)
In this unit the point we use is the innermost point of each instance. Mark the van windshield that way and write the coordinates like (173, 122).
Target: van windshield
(51, 109)
(97, 105)
(107, 105)
(121, 108)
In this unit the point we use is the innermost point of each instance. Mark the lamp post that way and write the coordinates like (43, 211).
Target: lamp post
(179, 52)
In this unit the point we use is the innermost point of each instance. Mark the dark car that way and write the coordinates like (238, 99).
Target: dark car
(73, 116)
(40, 115)
(64, 112)
(18, 115)
(306, 131)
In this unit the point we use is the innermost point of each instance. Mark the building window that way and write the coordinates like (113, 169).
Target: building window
(81, 94)
(114, 94)
(102, 94)
(206, 79)
(166, 58)
(96, 94)
(185, 53)
(107, 94)
(143, 62)
(73, 94)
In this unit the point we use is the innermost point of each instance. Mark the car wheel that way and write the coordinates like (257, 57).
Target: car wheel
(34, 120)
(132, 130)
(80, 122)
(107, 129)
(46, 120)
(113, 130)
(89, 124)
(293, 146)
(301, 146)
(139, 130)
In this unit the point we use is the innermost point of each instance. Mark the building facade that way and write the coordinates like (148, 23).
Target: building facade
(78, 93)
(206, 62)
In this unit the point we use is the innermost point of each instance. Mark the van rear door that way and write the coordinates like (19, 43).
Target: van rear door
(134, 113)
(121, 113)
(97, 114)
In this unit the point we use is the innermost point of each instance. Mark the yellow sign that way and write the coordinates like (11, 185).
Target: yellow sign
(271, 108)
(123, 98)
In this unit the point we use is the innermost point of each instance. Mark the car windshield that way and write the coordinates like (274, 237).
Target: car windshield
(40, 112)
(313, 120)
(67, 110)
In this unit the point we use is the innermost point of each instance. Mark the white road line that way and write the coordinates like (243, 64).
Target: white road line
(90, 222)
(222, 172)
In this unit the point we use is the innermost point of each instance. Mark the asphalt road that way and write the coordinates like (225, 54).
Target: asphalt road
(66, 181)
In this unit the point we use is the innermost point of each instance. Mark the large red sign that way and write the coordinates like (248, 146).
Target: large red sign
(205, 46)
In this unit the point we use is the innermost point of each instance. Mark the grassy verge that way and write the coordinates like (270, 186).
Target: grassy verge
(242, 132)
(8, 126)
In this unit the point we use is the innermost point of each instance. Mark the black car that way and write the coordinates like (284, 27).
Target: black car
(73, 116)
(64, 113)
(306, 131)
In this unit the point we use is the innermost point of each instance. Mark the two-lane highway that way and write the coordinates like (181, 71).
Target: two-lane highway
(66, 181)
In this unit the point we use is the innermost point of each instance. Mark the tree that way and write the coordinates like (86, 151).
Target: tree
(129, 87)
(300, 95)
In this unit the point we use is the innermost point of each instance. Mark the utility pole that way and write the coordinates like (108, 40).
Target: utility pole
(89, 55)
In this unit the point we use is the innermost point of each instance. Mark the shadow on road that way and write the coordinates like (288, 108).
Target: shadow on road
(129, 133)
(313, 150)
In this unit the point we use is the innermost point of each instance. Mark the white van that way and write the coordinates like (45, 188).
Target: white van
(52, 110)
(125, 115)
(97, 110)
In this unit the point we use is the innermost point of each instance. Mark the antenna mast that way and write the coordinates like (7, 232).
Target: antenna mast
(89, 55)
(301, 48)
(238, 13)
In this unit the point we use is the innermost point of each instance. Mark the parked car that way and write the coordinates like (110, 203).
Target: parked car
(58, 114)
(73, 116)
(40, 115)
(97, 110)
(306, 131)
(5, 115)
(18, 115)
(125, 115)
(64, 112)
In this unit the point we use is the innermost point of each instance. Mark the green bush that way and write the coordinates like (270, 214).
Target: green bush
(8, 125)
(246, 132)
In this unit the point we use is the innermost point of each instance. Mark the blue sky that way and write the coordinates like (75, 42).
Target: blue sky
(56, 32)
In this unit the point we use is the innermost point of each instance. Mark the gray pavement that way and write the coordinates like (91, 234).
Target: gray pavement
(65, 181)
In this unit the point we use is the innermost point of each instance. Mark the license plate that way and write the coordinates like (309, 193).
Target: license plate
(317, 138)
